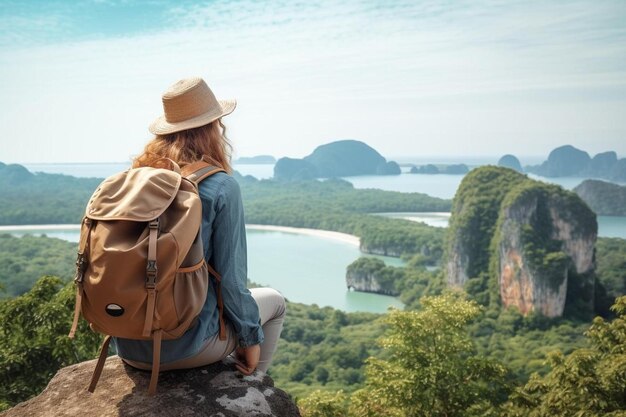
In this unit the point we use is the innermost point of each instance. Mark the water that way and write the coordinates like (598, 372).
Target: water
(306, 269)
(608, 226)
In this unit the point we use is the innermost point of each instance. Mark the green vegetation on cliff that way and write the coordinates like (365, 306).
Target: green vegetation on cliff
(491, 207)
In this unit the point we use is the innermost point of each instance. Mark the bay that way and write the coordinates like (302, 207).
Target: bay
(305, 269)
(608, 226)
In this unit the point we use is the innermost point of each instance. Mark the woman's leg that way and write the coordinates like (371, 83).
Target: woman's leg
(272, 311)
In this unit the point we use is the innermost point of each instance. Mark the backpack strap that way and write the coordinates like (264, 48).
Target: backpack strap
(81, 265)
(104, 350)
(199, 170)
(151, 275)
(156, 361)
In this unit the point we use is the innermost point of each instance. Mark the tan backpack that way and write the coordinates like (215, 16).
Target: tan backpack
(140, 271)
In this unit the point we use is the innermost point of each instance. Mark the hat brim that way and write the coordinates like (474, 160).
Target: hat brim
(161, 126)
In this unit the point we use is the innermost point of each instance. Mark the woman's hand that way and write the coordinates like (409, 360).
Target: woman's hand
(247, 358)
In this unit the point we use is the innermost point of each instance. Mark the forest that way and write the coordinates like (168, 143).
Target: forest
(448, 353)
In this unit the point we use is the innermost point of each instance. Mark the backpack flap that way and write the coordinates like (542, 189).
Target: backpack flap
(140, 194)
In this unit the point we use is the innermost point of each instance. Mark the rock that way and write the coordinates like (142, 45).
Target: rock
(540, 244)
(618, 172)
(213, 390)
(605, 198)
(510, 161)
(342, 158)
(602, 164)
(564, 161)
(425, 169)
(294, 169)
(388, 168)
(256, 160)
(456, 169)
(372, 275)
(533, 242)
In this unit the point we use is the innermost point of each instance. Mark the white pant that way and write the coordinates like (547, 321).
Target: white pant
(272, 311)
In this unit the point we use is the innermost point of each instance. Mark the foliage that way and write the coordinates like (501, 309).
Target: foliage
(27, 198)
(429, 368)
(610, 272)
(24, 260)
(587, 382)
(336, 205)
(411, 282)
(34, 342)
(324, 404)
(323, 348)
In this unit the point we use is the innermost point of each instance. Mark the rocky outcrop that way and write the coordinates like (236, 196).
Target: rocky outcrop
(539, 246)
(530, 238)
(604, 198)
(214, 390)
(372, 275)
(336, 159)
(510, 161)
(564, 161)
(567, 161)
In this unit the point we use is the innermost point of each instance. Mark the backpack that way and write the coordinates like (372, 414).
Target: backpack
(140, 270)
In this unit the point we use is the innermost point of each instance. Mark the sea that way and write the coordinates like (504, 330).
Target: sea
(311, 269)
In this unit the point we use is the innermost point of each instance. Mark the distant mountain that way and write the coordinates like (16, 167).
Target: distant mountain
(604, 198)
(510, 161)
(336, 159)
(258, 160)
(568, 161)
(453, 169)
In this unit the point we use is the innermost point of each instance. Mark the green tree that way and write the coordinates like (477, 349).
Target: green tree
(33, 339)
(324, 404)
(589, 382)
(430, 367)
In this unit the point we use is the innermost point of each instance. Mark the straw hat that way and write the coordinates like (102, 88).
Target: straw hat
(187, 104)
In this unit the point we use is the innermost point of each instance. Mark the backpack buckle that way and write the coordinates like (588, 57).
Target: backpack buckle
(81, 265)
(151, 274)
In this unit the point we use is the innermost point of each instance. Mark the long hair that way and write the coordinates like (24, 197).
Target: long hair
(189, 146)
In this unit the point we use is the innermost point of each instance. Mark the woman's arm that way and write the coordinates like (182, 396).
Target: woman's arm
(229, 258)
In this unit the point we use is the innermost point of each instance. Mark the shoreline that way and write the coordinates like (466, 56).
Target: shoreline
(326, 234)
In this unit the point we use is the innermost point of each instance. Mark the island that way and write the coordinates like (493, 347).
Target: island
(343, 158)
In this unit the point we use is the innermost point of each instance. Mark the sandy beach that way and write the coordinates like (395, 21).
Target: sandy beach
(327, 234)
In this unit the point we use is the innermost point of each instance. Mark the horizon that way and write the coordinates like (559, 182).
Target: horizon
(83, 80)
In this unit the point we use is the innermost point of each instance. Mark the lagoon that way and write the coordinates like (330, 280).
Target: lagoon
(304, 268)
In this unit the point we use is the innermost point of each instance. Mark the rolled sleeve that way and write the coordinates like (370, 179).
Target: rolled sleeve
(229, 259)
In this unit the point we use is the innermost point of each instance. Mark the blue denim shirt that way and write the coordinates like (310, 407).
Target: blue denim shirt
(224, 239)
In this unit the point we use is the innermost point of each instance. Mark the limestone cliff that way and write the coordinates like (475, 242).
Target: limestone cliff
(372, 275)
(214, 390)
(533, 240)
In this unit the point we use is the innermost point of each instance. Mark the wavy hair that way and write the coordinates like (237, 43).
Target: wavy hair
(189, 146)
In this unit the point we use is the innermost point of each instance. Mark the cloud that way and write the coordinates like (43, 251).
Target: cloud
(416, 76)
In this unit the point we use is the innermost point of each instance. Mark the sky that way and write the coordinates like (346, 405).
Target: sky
(82, 80)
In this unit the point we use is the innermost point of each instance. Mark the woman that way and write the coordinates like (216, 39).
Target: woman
(190, 129)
